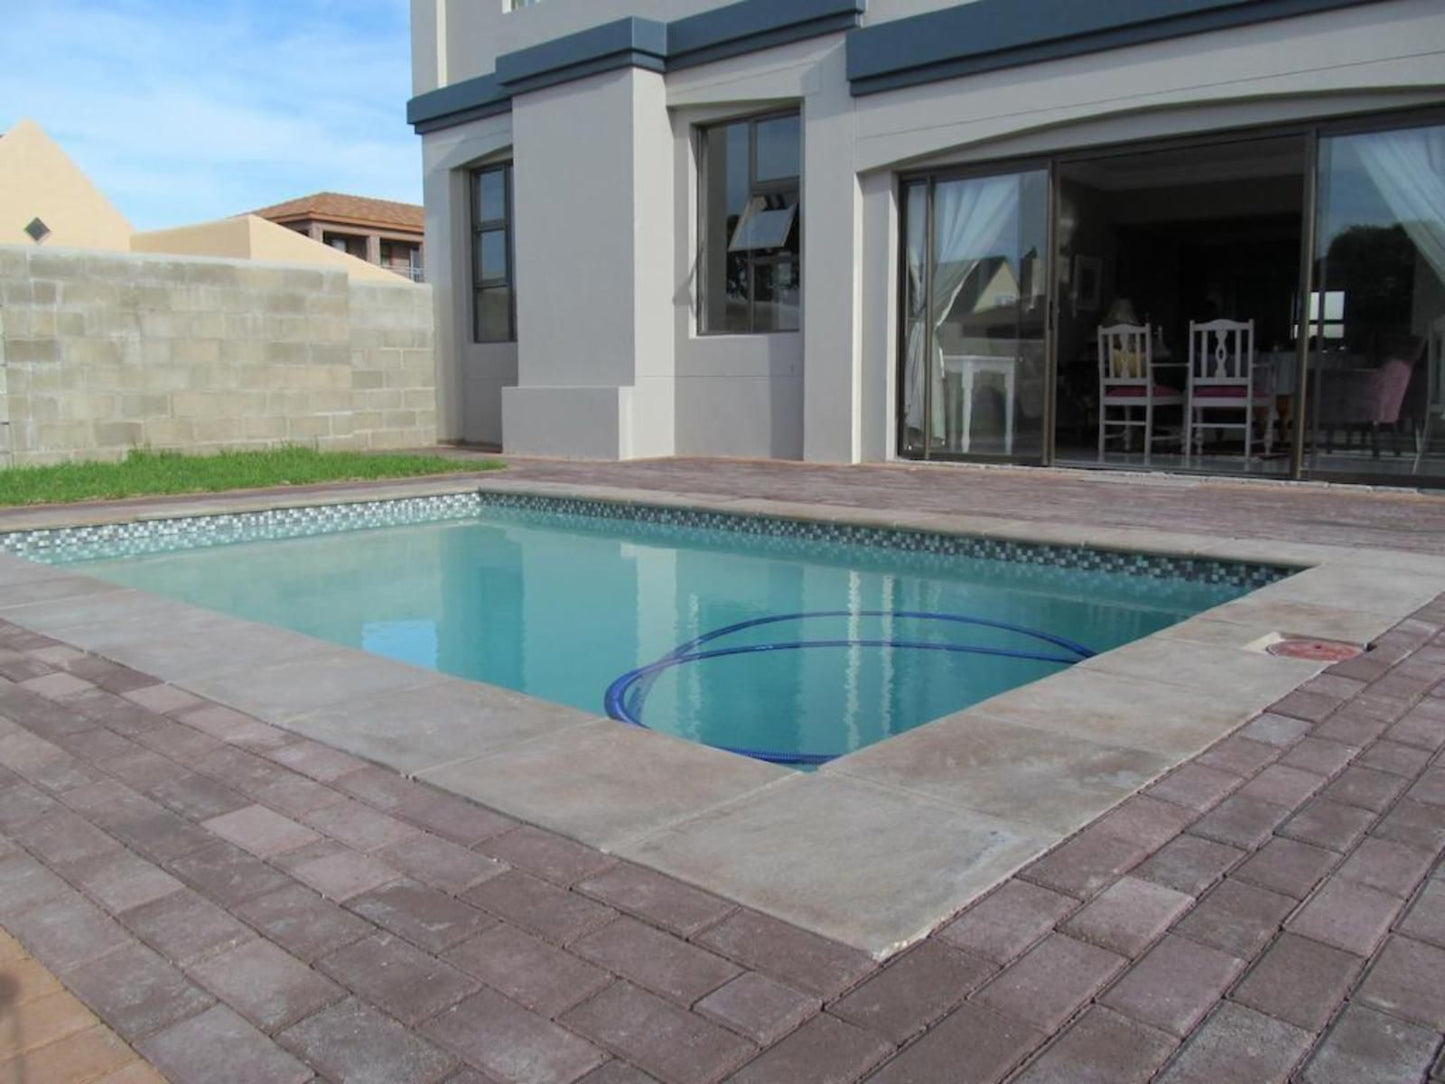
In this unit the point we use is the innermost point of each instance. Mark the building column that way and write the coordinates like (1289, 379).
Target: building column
(594, 221)
(373, 248)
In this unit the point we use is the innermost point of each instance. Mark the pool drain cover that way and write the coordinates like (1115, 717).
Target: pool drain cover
(1314, 650)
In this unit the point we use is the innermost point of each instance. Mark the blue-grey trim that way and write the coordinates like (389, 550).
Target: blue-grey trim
(744, 27)
(626, 43)
(988, 35)
(468, 96)
(753, 25)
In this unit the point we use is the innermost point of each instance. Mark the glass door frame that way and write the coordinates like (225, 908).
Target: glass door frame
(930, 179)
(1312, 131)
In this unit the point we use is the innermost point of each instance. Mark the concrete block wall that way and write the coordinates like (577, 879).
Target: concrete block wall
(101, 353)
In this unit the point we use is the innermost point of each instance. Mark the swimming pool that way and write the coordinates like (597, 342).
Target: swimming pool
(788, 640)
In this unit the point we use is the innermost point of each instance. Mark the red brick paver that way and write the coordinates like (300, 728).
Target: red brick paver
(224, 894)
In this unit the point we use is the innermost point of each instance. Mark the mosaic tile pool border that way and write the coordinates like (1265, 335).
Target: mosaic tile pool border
(65, 545)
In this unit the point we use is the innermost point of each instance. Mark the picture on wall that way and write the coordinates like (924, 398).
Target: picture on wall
(1088, 276)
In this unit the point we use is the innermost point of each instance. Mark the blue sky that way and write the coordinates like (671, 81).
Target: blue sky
(188, 110)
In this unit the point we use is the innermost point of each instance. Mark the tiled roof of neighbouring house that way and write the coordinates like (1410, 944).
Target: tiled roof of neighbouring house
(337, 207)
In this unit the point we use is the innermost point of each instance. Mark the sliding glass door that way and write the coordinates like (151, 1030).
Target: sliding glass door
(1376, 311)
(975, 303)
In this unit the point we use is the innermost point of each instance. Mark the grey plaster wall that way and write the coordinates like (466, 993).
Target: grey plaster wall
(100, 353)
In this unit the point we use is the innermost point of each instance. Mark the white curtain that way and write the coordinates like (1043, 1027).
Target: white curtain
(969, 218)
(1408, 169)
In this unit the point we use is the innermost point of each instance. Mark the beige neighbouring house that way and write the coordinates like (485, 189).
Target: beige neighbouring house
(46, 200)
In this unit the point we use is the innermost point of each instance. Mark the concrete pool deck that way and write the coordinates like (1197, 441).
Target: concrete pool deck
(875, 849)
(1266, 906)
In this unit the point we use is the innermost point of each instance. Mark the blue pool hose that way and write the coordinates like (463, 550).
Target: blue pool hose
(626, 696)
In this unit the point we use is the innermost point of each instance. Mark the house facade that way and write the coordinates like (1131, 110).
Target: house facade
(1197, 234)
(381, 232)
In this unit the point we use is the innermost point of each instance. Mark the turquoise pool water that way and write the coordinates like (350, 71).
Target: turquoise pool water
(560, 606)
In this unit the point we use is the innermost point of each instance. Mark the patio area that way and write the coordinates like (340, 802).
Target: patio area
(231, 897)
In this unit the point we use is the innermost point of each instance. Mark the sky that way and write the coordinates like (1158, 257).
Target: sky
(184, 111)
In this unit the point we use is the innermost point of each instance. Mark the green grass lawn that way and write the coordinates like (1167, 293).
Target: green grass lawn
(143, 473)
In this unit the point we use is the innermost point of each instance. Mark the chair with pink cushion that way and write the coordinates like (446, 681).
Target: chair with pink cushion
(1226, 390)
(1127, 387)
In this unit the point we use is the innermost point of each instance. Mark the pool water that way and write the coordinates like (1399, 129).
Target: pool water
(869, 641)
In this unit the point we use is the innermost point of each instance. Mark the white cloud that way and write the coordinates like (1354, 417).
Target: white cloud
(182, 112)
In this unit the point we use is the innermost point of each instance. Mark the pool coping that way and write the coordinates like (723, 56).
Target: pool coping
(873, 850)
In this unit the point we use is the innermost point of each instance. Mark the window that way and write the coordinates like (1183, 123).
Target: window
(494, 303)
(750, 264)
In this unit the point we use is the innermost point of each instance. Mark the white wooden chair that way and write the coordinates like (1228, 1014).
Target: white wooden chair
(1226, 390)
(1126, 385)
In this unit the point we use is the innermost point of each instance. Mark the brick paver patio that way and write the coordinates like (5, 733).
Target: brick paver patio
(242, 904)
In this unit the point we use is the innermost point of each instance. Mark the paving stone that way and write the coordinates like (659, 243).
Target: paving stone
(1310, 706)
(352, 1042)
(506, 1041)
(56, 686)
(1329, 824)
(265, 984)
(1086, 863)
(1288, 867)
(1320, 755)
(360, 827)
(245, 771)
(162, 835)
(162, 699)
(1424, 731)
(676, 1046)
(427, 918)
(440, 862)
(144, 770)
(234, 727)
(66, 933)
(342, 876)
(1102, 1047)
(26, 884)
(110, 676)
(1369, 1046)
(1174, 985)
(227, 874)
(1425, 921)
(1239, 756)
(995, 1044)
(1238, 1044)
(87, 1055)
(180, 743)
(302, 922)
(218, 1047)
(794, 957)
(119, 880)
(1405, 981)
(659, 961)
(1195, 786)
(1366, 788)
(1145, 820)
(398, 978)
(1281, 730)
(1283, 785)
(184, 927)
(1414, 824)
(196, 796)
(1353, 725)
(758, 1008)
(614, 1072)
(655, 898)
(1236, 917)
(913, 991)
(1128, 915)
(36, 1019)
(540, 906)
(98, 747)
(1350, 916)
(1385, 865)
(447, 815)
(136, 992)
(59, 837)
(1431, 788)
(20, 803)
(825, 1050)
(1007, 921)
(261, 831)
(296, 796)
(528, 970)
(1394, 757)
(546, 854)
(1052, 980)
(319, 762)
(1241, 821)
(1299, 981)
(1189, 864)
